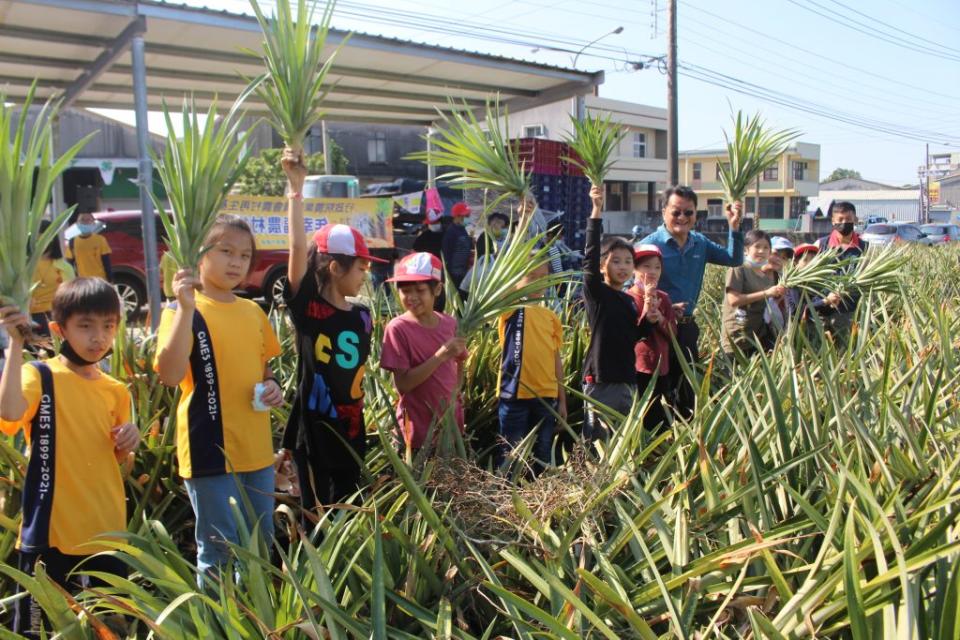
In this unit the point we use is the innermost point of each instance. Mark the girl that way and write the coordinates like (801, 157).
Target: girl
(652, 352)
(52, 271)
(422, 350)
(216, 346)
(325, 432)
(751, 306)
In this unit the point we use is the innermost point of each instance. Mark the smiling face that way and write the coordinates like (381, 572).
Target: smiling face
(759, 251)
(679, 215)
(647, 269)
(617, 267)
(225, 266)
(418, 297)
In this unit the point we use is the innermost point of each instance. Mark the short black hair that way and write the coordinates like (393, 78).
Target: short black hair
(680, 191)
(843, 205)
(614, 244)
(52, 250)
(754, 236)
(85, 295)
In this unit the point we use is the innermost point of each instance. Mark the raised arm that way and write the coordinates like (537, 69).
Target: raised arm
(13, 404)
(173, 356)
(732, 254)
(296, 170)
(592, 278)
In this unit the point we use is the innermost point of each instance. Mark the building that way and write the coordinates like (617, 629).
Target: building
(871, 199)
(640, 170)
(785, 188)
(950, 191)
(104, 174)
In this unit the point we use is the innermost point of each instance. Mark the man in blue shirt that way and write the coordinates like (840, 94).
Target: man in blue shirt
(685, 256)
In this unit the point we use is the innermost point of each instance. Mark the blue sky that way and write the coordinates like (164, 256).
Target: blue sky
(893, 64)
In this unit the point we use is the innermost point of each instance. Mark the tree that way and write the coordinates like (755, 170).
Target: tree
(263, 175)
(840, 174)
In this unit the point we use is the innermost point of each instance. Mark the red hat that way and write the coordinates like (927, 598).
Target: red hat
(460, 210)
(646, 250)
(801, 249)
(342, 240)
(418, 267)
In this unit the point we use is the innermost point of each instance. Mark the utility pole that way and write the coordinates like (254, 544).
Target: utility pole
(673, 160)
(926, 190)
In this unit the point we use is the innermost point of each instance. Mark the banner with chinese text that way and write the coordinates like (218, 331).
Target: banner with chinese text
(267, 216)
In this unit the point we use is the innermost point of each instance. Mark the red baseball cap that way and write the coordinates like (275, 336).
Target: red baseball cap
(646, 250)
(460, 210)
(342, 240)
(418, 267)
(801, 249)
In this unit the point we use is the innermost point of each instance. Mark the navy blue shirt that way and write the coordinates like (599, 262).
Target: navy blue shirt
(683, 267)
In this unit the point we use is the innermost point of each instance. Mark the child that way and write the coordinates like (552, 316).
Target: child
(89, 253)
(216, 346)
(747, 310)
(52, 271)
(653, 352)
(76, 420)
(326, 431)
(422, 350)
(457, 245)
(802, 255)
(531, 375)
(609, 374)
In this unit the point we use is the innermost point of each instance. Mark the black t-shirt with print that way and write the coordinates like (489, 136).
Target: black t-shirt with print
(332, 345)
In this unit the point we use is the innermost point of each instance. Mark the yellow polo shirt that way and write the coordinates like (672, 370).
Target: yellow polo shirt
(87, 253)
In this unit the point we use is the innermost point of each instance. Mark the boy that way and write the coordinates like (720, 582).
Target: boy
(89, 253)
(457, 245)
(610, 378)
(76, 420)
(531, 375)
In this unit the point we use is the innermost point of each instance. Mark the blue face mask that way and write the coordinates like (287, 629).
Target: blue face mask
(87, 229)
(756, 264)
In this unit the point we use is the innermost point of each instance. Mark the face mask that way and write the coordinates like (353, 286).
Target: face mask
(499, 233)
(87, 229)
(756, 264)
(843, 228)
(67, 352)
(435, 227)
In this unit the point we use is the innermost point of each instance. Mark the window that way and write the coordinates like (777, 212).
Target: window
(377, 148)
(639, 145)
(535, 131)
(725, 165)
(697, 169)
(714, 208)
(771, 174)
(799, 170)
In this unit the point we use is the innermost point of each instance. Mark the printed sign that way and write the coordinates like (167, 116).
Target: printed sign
(267, 215)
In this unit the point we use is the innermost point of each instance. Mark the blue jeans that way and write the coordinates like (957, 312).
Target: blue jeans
(518, 418)
(210, 499)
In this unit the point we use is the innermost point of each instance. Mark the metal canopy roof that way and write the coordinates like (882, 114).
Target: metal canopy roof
(80, 49)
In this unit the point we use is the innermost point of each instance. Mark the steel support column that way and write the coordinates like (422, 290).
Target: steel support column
(145, 178)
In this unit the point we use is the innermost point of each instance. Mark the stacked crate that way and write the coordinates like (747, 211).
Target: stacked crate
(558, 184)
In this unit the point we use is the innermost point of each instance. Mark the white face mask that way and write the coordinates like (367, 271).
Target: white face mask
(435, 227)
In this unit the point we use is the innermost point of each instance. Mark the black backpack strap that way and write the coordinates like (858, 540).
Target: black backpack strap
(41, 469)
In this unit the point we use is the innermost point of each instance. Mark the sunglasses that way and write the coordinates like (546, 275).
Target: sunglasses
(676, 213)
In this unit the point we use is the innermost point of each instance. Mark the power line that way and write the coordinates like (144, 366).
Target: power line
(860, 27)
(927, 90)
(894, 27)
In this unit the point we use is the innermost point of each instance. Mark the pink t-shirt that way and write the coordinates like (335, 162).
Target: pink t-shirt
(406, 344)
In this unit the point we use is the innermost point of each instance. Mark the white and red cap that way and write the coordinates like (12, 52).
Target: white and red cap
(343, 240)
(801, 249)
(646, 250)
(418, 267)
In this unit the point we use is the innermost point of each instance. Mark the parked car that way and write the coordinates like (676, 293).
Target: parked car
(940, 233)
(124, 232)
(895, 232)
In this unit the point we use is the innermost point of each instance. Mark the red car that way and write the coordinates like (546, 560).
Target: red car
(125, 234)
